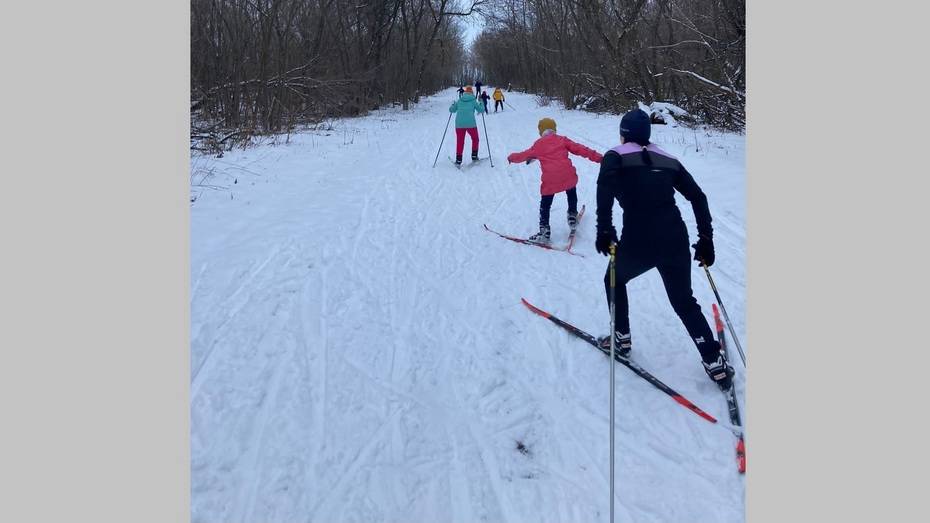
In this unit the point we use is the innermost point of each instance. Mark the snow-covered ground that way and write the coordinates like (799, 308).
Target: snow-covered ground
(359, 352)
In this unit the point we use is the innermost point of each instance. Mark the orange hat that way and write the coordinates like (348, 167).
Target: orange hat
(468, 89)
(546, 123)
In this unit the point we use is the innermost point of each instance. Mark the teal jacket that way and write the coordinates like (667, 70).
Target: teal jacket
(464, 110)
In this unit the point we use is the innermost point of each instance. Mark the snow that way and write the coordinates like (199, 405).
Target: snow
(359, 351)
(664, 110)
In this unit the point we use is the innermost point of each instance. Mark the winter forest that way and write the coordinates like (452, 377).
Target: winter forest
(266, 65)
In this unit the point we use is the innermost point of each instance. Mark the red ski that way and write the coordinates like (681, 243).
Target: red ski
(524, 241)
(571, 235)
(732, 404)
(639, 371)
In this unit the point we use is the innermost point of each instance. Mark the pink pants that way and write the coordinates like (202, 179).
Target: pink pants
(460, 139)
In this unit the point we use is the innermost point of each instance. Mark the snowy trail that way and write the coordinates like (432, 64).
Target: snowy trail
(359, 351)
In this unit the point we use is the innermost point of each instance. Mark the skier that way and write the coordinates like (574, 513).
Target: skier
(484, 100)
(643, 179)
(558, 173)
(461, 90)
(498, 99)
(478, 85)
(465, 108)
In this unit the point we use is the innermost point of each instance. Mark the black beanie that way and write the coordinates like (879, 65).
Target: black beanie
(635, 126)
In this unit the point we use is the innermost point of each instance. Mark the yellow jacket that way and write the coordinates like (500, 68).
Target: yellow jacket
(498, 95)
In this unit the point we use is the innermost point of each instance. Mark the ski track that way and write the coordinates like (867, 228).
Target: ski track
(359, 351)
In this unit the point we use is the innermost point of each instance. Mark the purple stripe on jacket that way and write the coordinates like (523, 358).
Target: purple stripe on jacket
(633, 147)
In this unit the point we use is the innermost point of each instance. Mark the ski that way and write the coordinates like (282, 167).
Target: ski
(524, 241)
(732, 404)
(639, 371)
(571, 235)
(464, 164)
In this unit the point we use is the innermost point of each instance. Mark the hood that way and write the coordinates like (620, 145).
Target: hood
(468, 97)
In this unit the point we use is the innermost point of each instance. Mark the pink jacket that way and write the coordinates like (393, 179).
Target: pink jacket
(558, 173)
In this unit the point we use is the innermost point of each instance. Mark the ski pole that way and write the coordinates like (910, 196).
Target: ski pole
(486, 139)
(613, 341)
(443, 139)
(725, 315)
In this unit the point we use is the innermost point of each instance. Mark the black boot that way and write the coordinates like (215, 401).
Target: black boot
(622, 344)
(458, 159)
(474, 156)
(720, 371)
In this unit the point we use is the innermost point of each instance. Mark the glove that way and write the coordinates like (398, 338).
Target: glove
(604, 239)
(704, 251)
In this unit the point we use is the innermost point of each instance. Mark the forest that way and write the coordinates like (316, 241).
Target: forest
(265, 66)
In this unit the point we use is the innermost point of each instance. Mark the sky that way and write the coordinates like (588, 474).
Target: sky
(473, 26)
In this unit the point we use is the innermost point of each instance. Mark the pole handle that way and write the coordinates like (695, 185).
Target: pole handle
(613, 259)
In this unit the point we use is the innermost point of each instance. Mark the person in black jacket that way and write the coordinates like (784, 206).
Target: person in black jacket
(643, 179)
(484, 99)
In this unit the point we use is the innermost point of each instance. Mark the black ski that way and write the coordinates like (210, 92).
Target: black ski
(639, 371)
(732, 403)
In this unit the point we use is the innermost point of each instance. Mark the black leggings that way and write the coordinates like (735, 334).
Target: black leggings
(546, 203)
(498, 102)
(676, 275)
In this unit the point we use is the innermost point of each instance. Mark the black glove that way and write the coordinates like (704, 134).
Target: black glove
(605, 237)
(704, 251)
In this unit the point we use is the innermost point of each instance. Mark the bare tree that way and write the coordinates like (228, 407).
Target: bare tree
(266, 65)
(610, 54)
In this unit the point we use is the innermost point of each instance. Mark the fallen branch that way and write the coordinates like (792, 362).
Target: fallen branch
(707, 81)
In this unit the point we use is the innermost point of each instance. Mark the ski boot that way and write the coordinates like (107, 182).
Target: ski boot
(622, 346)
(474, 156)
(572, 220)
(720, 372)
(458, 160)
(542, 237)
